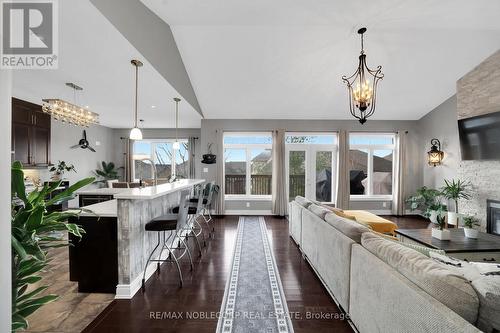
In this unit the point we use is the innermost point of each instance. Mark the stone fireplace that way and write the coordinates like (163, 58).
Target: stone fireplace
(474, 98)
(493, 217)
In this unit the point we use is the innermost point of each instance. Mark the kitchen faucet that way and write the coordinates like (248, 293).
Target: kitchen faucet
(155, 173)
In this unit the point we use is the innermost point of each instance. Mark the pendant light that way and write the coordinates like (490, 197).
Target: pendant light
(363, 96)
(176, 144)
(135, 133)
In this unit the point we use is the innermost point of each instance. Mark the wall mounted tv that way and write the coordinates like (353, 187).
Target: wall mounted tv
(480, 137)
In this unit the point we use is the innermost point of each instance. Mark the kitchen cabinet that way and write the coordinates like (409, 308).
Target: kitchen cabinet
(89, 199)
(30, 134)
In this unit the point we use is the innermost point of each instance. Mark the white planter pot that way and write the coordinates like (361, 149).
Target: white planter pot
(433, 216)
(441, 234)
(452, 218)
(471, 233)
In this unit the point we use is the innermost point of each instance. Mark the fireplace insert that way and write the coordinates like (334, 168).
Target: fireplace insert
(493, 217)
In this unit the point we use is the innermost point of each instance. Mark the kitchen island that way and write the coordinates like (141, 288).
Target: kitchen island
(115, 248)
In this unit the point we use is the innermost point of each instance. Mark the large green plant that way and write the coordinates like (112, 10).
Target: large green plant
(426, 199)
(455, 190)
(32, 235)
(107, 172)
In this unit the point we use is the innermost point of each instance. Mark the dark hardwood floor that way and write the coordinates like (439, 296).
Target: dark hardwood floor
(203, 290)
(410, 221)
(165, 307)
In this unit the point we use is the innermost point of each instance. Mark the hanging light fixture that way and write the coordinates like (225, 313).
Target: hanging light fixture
(70, 113)
(176, 144)
(135, 133)
(435, 155)
(362, 92)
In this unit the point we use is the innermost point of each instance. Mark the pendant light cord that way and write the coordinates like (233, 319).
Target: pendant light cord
(362, 44)
(176, 119)
(136, 91)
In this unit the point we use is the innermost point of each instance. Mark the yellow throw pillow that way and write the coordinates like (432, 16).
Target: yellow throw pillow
(344, 215)
(389, 237)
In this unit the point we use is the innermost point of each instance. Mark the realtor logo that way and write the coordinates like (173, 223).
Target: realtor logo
(29, 34)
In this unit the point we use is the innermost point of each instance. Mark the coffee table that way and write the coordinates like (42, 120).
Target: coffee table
(486, 248)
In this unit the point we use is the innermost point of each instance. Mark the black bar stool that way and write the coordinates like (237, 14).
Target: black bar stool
(174, 223)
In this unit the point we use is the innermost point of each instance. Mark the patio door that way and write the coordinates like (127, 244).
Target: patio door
(311, 171)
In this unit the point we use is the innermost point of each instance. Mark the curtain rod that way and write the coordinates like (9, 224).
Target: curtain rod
(195, 137)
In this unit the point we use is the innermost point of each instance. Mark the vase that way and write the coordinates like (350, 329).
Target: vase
(452, 218)
(471, 233)
(441, 234)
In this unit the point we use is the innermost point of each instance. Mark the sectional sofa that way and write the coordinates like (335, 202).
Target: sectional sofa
(382, 285)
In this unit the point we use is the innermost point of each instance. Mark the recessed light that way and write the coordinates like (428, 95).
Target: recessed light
(86, 106)
(153, 106)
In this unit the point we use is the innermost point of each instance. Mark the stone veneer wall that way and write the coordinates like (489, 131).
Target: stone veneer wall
(478, 92)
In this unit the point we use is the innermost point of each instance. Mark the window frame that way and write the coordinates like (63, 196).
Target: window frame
(173, 164)
(248, 169)
(370, 148)
(310, 149)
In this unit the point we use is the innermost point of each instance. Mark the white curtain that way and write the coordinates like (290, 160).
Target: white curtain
(343, 188)
(398, 201)
(219, 202)
(192, 157)
(280, 202)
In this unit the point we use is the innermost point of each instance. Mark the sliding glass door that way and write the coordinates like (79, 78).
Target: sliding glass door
(311, 166)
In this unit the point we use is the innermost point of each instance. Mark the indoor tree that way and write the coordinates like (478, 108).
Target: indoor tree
(455, 190)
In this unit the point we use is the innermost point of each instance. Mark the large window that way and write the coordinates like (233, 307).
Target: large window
(311, 165)
(371, 165)
(248, 164)
(169, 162)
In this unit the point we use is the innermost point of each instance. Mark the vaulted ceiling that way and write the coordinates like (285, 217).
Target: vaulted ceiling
(271, 59)
(285, 58)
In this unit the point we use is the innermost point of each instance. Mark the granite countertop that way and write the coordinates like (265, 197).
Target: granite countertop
(152, 192)
(102, 209)
(101, 191)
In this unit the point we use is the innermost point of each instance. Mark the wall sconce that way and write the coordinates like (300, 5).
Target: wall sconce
(435, 155)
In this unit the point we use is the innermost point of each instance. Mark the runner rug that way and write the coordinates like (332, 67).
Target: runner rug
(253, 300)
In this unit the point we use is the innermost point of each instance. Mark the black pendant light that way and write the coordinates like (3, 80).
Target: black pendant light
(362, 86)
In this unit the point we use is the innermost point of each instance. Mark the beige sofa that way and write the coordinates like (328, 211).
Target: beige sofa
(379, 285)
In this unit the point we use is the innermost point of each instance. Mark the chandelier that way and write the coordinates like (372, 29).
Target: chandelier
(70, 113)
(362, 91)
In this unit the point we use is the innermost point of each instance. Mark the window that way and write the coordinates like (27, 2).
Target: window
(161, 152)
(248, 164)
(371, 165)
(311, 165)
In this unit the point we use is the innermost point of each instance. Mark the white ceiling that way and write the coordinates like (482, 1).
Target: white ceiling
(284, 58)
(94, 55)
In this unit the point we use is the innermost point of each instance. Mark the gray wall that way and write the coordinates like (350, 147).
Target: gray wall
(208, 135)
(440, 123)
(152, 133)
(5, 247)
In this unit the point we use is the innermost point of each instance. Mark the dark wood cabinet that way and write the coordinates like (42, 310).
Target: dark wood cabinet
(90, 199)
(30, 134)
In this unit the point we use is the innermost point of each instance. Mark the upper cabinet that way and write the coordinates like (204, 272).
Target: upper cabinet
(30, 134)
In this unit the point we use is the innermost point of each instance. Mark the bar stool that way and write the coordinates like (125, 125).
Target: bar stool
(207, 203)
(174, 223)
(194, 228)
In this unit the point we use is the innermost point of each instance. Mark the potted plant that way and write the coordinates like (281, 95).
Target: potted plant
(455, 190)
(108, 172)
(427, 200)
(469, 223)
(440, 231)
(32, 235)
(59, 170)
(436, 209)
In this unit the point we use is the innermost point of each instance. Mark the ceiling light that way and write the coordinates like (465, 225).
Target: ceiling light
(135, 133)
(153, 106)
(362, 92)
(70, 113)
(176, 144)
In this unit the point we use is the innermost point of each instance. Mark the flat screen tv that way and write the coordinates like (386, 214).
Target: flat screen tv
(480, 137)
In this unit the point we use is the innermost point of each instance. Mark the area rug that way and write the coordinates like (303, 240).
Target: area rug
(254, 300)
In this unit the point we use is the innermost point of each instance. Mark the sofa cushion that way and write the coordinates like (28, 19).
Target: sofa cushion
(303, 201)
(448, 287)
(488, 290)
(350, 228)
(319, 211)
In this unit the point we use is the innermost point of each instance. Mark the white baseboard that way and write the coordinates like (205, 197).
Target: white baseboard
(127, 291)
(248, 212)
